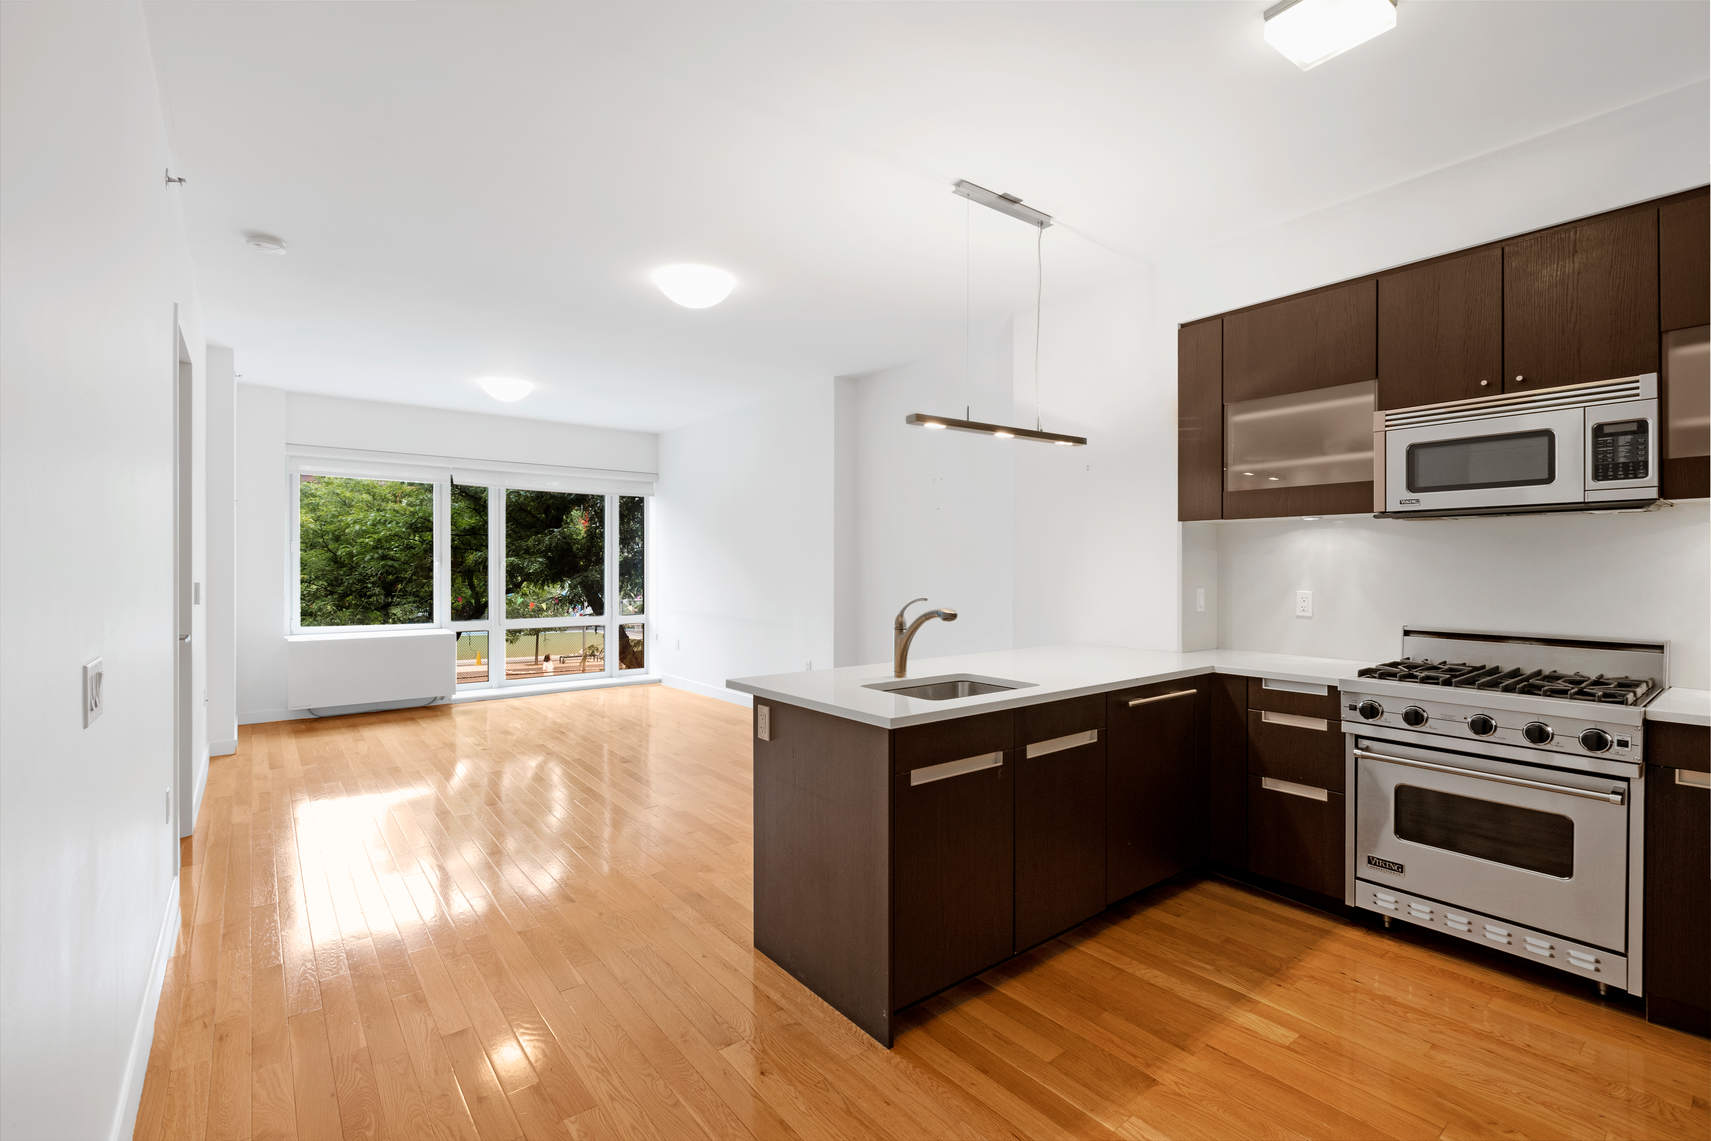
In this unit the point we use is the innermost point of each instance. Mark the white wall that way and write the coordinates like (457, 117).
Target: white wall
(928, 513)
(269, 420)
(1643, 576)
(742, 543)
(92, 261)
(1096, 534)
(219, 595)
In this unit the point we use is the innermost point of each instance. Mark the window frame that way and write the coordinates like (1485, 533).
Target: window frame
(498, 481)
(440, 574)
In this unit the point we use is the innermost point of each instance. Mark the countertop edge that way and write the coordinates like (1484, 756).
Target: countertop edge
(1681, 706)
(1018, 699)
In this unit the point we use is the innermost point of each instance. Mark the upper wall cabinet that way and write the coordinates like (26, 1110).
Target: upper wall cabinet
(1200, 420)
(1684, 236)
(1581, 302)
(1319, 340)
(1440, 330)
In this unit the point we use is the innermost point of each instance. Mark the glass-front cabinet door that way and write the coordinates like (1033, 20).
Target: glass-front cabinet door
(1314, 445)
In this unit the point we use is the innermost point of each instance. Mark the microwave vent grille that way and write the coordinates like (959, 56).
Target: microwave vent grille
(1642, 387)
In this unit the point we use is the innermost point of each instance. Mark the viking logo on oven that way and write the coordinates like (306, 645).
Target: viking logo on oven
(1386, 865)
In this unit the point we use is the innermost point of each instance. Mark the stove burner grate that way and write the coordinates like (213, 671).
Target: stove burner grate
(1531, 683)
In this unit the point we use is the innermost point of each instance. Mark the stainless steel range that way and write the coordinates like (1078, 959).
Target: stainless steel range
(1497, 793)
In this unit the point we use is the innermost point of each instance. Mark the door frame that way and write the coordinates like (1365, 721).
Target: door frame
(183, 588)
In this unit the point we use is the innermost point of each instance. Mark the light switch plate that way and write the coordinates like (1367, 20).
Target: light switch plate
(93, 700)
(763, 722)
(1304, 604)
(1199, 600)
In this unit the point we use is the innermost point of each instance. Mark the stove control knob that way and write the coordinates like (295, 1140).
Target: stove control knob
(1595, 740)
(1413, 717)
(1371, 710)
(1481, 725)
(1538, 733)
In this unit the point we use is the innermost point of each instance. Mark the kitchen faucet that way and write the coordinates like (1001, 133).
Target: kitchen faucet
(903, 635)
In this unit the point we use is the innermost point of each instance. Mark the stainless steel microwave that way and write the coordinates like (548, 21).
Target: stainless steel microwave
(1589, 445)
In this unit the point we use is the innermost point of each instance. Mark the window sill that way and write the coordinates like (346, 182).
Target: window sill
(495, 692)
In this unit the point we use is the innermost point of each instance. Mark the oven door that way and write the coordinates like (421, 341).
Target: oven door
(1539, 847)
(1529, 459)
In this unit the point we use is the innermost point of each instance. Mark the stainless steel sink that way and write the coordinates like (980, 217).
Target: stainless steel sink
(947, 687)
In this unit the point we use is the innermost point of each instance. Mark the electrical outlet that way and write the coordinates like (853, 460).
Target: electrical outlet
(93, 702)
(763, 722)
(1304, 604)
(1199, 600)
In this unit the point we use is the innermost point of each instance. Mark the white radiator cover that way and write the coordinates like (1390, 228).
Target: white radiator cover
(363, 668)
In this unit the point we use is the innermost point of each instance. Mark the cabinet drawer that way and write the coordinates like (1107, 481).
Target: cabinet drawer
(1295, 834)
(941, 741)
(1678, 746)
(1296, 747)
(1305, 698)
(1678, 898)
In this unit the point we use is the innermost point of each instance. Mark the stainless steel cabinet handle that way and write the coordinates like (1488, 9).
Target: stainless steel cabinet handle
(1294, 720)
(1290, 788)
(1134, 701)
(1614, 796)
(1059, 744)
(1692, 779)
(957, 768)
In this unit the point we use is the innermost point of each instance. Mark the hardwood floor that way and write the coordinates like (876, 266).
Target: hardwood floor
(531, 918)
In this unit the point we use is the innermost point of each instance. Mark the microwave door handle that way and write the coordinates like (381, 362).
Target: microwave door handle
(1614, 796)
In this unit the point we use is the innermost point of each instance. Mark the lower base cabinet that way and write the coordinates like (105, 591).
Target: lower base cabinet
(1678, 878)
(953, 872)
(1155, 785)
(1060, 817)
(1295, 834)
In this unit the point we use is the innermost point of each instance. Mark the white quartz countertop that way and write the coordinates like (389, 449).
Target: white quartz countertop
(1688, 706)
(1054, 673)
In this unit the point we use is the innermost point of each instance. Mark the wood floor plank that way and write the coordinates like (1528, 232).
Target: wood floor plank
(533, 919)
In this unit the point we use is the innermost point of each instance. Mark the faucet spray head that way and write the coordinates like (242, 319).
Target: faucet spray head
(946, 614)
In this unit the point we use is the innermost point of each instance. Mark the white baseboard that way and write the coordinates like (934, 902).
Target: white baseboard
(189, 825)
(142, 1036)
(263, 716)
(222, 748)
(705, 690)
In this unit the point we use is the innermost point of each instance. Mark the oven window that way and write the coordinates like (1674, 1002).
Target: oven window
(1502, 833)
(1514, 459)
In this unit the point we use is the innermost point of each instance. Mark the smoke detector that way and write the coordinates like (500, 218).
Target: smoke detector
(266, 243)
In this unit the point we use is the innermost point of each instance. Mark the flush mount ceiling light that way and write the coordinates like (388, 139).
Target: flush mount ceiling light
(1012, 206)
(1309, 32)
(694, 286)
(508, 389)
(266, 243)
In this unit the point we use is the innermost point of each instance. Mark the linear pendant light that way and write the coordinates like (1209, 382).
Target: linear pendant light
(1012, 206)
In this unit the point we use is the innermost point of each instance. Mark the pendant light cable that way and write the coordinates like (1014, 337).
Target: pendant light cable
(1039, 292)
(967, 295)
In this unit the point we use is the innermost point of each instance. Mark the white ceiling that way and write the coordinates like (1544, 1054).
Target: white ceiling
(482, 187)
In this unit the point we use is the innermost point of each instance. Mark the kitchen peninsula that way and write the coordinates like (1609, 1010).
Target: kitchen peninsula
(905, 844)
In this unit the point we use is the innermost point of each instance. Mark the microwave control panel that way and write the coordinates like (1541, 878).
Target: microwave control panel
(1621, 450)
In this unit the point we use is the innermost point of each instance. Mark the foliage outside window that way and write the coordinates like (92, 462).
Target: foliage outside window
(555, 554)
(365, 552)
(469, 552)
(631, 576)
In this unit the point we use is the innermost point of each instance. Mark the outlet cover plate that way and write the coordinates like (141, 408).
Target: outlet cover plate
(93, 699)
(1304, 604)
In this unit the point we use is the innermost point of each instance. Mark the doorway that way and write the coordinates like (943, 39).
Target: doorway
(183, 588)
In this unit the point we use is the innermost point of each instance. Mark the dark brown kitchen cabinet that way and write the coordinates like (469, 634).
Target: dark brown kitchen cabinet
(1440, 330)
(1678, 876)
(1295, 834)
(1580, 302)
(1200, 420)
(1684, 262)
(1227, 771)
(1155, 785)
(1316, 340)
(953, 866)
(1060, 817)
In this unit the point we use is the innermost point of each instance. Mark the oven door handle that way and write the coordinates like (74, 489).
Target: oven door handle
(1614, 796)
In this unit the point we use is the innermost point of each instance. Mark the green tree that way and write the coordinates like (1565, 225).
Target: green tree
(469, 552)
(366, 551)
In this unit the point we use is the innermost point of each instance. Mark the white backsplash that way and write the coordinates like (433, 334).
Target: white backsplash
(1645, 576)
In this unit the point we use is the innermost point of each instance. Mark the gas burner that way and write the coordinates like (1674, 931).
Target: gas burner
(1533, 683)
